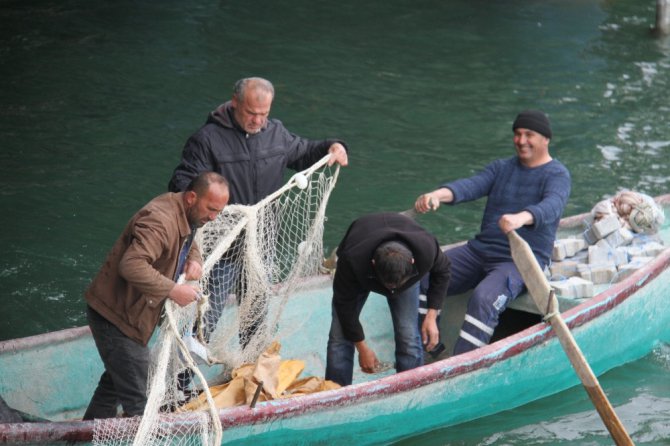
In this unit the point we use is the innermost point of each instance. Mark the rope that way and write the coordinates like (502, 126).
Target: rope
(554, 313)
(218, 429)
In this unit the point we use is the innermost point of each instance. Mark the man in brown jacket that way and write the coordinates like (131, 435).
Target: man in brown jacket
(127, 296)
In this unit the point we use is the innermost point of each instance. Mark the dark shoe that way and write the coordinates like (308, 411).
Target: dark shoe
(435, 353)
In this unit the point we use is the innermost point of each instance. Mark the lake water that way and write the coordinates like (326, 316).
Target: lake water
(98, 98)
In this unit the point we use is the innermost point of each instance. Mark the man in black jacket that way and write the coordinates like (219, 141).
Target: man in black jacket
(386, 253)
(248, 148)
(252, 151)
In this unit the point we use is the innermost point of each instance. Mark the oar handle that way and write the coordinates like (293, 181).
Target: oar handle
(412, 212)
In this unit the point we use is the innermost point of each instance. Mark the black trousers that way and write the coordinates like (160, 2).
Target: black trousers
(124, 380)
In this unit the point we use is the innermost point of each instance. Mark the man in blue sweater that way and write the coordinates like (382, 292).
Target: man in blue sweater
(526, 193)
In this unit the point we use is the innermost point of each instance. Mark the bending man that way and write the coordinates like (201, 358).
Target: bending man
(385, 253)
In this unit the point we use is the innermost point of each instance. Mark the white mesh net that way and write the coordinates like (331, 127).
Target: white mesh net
(255, 258)
(635, 210)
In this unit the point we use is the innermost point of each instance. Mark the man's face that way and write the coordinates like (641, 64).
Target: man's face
(252, 112)
(531, 147)
(201, 210)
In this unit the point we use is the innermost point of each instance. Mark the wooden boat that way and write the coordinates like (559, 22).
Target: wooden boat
(50, 377)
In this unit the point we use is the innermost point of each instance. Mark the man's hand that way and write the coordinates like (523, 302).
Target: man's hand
(338, 155)
(366, 357)
(430, 201)
(426, 202)
(193, 270)
(430, 335)
(185, 294)
(511, 222)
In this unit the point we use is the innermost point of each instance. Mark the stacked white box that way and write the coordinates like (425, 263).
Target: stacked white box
(573, 287)
(599, 254)
(620, 237)
(635, 264)
(566, 268)
(605, 253)
(567, 247)
(598, 273)
(601, 229)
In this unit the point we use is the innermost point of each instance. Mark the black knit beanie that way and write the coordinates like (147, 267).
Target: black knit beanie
(533, 120)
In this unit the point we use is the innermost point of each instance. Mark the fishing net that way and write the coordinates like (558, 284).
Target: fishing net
(255, 258)
(636, 211)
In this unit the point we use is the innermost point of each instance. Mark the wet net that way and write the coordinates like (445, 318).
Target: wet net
(255, 258)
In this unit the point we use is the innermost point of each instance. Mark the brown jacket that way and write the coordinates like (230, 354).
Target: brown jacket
(131, 287)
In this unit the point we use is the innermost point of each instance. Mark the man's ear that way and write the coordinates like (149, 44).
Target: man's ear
(373, 262)
(190, 197)
(412, 261)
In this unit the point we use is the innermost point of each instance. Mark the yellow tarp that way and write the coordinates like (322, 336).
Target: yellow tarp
(279, 378)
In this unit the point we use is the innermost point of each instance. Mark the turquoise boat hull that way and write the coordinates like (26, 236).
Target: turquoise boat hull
(51, 377)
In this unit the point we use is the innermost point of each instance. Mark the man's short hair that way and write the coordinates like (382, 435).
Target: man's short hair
(200, 184)
(393, 263)
(240, 87)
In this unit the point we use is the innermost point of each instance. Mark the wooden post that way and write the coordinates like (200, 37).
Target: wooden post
(662, 18)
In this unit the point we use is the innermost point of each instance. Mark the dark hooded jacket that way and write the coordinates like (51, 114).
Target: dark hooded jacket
(355, 276)
(253, 164)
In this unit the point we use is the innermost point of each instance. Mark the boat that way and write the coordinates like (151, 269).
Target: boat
(50, 378)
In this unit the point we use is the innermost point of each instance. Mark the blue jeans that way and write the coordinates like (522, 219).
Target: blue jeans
(227, 278)
(224, 279)
(408, 348)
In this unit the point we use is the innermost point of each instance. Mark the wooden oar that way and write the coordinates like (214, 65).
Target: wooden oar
(539, 289)
(412, 212)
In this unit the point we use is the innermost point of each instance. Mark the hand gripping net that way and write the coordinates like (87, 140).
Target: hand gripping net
(255, 258)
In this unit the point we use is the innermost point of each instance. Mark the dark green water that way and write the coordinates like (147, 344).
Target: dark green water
(97, 99)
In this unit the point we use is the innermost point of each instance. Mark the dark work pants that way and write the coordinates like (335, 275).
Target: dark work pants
(124, 380)
(494, 285)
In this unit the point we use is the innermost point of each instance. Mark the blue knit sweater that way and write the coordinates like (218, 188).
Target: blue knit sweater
(511, 188)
